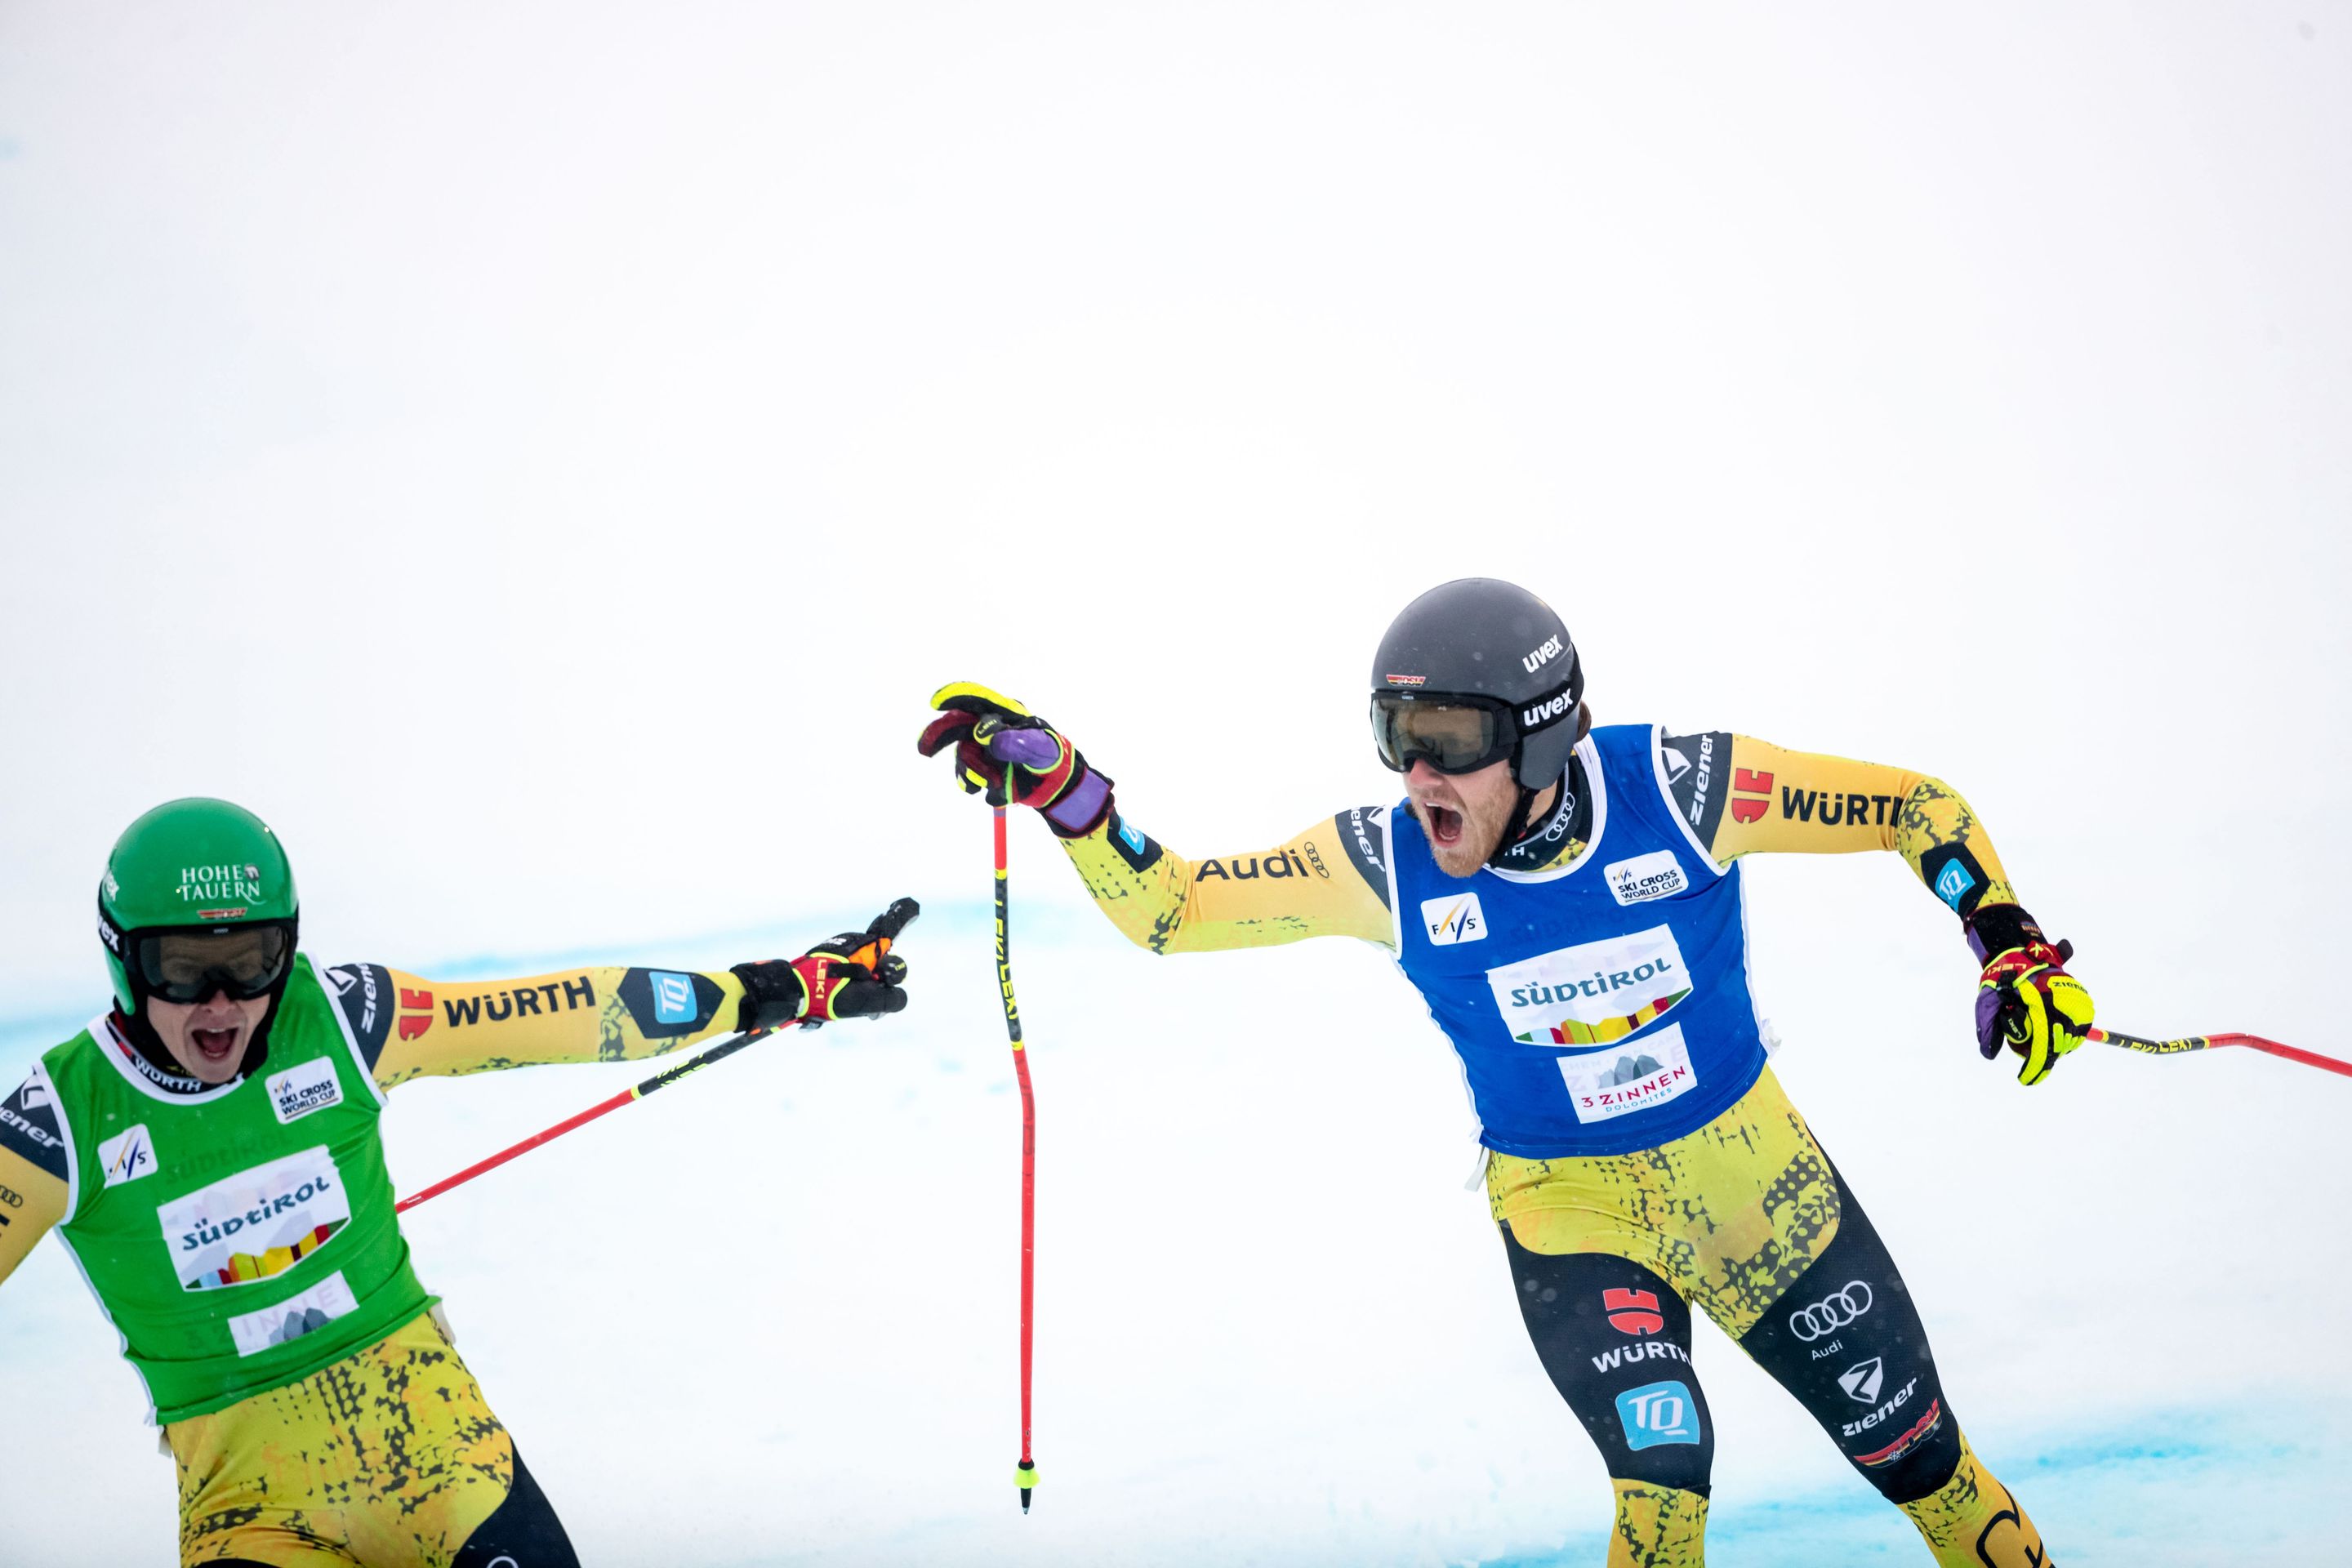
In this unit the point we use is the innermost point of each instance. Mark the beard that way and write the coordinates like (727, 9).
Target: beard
(1463, 834)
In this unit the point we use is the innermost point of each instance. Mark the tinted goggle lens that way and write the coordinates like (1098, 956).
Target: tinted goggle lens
(1453, 737)
(195, 965)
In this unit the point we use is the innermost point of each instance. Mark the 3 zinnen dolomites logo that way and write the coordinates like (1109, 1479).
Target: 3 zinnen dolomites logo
(1593, 993)
(1652, 1070)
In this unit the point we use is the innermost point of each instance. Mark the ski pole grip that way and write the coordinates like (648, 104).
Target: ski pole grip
(894, 920)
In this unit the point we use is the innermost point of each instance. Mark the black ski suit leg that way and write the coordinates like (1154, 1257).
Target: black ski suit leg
(1846, 1340)
(1616, 1341)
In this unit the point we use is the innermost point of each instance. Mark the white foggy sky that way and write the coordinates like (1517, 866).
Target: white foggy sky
(542, 456)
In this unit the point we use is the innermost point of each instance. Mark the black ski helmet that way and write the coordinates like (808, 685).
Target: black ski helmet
(1481, 636)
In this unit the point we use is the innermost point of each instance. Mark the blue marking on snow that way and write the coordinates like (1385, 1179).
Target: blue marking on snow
(2144, 1494)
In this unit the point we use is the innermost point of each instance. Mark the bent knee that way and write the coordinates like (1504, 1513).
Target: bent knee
(1656, 1434)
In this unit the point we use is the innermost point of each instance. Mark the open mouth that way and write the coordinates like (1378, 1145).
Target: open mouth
(214, 1044)
(1444, 823)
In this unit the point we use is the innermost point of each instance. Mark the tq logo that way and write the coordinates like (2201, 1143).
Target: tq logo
(1831, 1313)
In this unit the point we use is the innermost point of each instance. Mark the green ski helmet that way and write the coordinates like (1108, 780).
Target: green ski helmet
(196, 867)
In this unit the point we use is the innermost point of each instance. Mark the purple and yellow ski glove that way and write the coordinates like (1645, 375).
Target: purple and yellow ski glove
(1014, 757)
(2026, 1000)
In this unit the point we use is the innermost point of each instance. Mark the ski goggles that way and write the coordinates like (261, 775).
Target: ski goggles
(189, 966)
(1460, 733)
(1453, 734)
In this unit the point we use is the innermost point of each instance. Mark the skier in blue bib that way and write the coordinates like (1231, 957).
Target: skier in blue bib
(1567, 900)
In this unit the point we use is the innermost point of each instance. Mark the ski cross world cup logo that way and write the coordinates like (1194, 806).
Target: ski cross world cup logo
(1453, 919)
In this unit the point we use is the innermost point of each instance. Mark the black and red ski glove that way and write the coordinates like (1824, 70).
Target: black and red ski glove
(853, 975)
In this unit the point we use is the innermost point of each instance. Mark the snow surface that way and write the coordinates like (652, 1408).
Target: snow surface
(768, 1317)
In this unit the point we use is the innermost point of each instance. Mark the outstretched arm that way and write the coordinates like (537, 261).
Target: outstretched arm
(415, 1028)
(408, 1026)
(1330, 880)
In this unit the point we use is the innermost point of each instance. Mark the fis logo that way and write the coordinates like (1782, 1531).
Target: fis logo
(672, 996)
(1453, 921)
(1656, 1414)
(1541, 657)
(127, 1156)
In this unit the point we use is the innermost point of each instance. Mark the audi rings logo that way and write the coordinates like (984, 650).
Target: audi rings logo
(1831, 1313)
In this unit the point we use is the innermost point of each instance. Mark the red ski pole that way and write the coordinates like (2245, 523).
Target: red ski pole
(883, 931)
(1025, 1475)
(630, 1096)
(2206, 1042)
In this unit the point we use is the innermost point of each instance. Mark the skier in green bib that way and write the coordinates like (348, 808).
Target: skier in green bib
(209, 1150)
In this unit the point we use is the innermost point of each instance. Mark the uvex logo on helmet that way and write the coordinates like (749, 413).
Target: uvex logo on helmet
(1542, 656)
(1544, 712)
